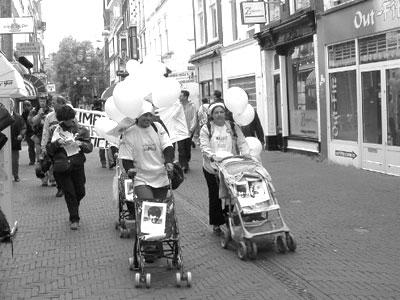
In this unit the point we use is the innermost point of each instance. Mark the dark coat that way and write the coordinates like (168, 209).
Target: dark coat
(17, 128)
(254, 129)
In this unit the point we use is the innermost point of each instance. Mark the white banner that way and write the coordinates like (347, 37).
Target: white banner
(88, 118)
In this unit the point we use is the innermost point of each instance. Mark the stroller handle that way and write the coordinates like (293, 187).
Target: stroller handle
(244, 157)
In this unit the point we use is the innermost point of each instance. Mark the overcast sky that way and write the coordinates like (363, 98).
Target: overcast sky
(82, 19)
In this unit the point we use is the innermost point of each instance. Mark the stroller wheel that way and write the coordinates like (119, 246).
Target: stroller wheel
(242, 251)
(137, 280)
(281, 244)
(225, 239)
(178, 279)
(253, 250)
(148, 280)
(290, 242)
(189, 279)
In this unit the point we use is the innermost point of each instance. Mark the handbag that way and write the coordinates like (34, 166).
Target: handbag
(3, 140)
(177, 176)
(6, 119)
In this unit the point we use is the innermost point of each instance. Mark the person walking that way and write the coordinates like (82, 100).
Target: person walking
(18, 129)
(36, 119)
(184, 146)
(218, 136)
(202, 118)
(50, 123)
(27, 107)
(67, 147)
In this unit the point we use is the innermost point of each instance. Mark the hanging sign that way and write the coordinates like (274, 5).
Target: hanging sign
(28, 48)
(16, 25)
(253, 12)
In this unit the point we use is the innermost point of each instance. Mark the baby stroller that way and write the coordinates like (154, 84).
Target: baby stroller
(157, 236)
(254, 212)
(125, 198)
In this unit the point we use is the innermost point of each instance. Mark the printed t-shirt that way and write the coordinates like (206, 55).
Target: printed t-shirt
(144, 146)
(221, 139)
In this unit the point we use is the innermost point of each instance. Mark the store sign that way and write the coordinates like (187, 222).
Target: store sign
(348, 154)
(16, 25)
(253, 12)
(363, 19)
(28, 48)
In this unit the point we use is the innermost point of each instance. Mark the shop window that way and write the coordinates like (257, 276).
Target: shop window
(343, 102)
(328, 4)
(380, 47)
(303, 115)
(248, 84)
(342, 55)
(206, 88)
(393, 106)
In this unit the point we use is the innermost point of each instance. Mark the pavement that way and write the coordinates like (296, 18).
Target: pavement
(345, 222)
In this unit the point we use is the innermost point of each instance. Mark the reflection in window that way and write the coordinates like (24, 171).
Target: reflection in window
(393, 106)
(301, 4)
(343, 97)
(342, 55)
(332, 3)
(274, 11)
(302, 92)
(371, 107)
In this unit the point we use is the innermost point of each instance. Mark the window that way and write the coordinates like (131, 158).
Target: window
(274, 11)
(248, 84)
(342, 55)
(200, 27)
(303, 115)
(333, 3)
(276, 62)
(343, 101)
(212, 24)
(380, 47)
(206, 89)
(301, 4)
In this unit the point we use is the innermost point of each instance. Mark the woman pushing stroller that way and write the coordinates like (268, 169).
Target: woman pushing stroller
(219, 138)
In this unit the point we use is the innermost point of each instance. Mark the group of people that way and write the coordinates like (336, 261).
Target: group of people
(56, 143)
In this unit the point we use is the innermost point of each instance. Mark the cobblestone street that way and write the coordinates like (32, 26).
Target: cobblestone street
(345, 222)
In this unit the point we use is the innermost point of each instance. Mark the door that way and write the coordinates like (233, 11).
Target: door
(278, 111)
(380, 90)
(392, 115)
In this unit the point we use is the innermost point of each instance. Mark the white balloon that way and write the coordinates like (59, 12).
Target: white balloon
(165, 92)
(246, 117)
(128, 97)
(236, 100)
(104, 126)
(112, 111)
(132, 67)
(254, 145)
(153, 68)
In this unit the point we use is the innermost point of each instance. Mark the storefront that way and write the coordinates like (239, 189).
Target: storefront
(289, 50)
(360, 55)
(208, 70)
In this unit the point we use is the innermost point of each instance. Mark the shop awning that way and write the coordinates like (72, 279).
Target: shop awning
(206, 53)
(11, 82)
(34, 85)
(108, 92)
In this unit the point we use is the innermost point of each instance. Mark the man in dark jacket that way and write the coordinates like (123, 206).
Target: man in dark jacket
(18, 129)
(27, 107)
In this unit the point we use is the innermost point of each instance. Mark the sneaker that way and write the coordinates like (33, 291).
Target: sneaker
(217, 230)
(74, 225)
(185, 170)
(53, 183)
(45, 184)
(59, 193)
(103, 166)
(31, 163)
(16, 179)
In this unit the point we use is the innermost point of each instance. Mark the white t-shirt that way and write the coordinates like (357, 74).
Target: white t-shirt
(144, 146)
(221, 140)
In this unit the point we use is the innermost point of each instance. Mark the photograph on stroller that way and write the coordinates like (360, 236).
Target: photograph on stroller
(253, 212)
(157, 236)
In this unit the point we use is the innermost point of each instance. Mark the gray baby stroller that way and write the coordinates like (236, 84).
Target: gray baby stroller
(254, 212)
(157, 237)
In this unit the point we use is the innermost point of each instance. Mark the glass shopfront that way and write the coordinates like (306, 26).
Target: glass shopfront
(303, 115)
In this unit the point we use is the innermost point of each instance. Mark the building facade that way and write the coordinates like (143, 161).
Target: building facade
(359, 46)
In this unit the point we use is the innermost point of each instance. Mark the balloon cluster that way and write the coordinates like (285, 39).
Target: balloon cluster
(237, 101)
(145, 85)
